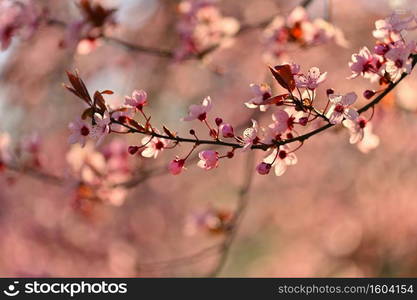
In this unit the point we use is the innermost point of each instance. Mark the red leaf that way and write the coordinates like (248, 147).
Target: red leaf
(99, 100)
(275, 99)
(168, 132)
(107, 92)
(283, 76)
(136, 125)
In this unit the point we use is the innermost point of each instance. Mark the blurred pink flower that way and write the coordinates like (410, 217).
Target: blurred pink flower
(176, 166)
(209, 159)
(356, 129)
(199, 111)
(138, 100)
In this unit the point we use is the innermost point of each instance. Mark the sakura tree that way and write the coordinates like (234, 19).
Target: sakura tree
(266, 94)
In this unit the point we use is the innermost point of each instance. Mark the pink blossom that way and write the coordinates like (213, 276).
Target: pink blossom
(361, 134)
(17, 18)
(250, 136)
(281, 159)
(263, 168)
(370, 140)
(284, 121)
(153, 146)
(390, 29)
(101, 128)
(209, 159)
(138, 100)
(176, 166)
(340, 109)
(199, 111)
(227, 130)
(365, 63)
(398, 61)
(311, 80)
(262, 92)
(80, 130)
(356, 129)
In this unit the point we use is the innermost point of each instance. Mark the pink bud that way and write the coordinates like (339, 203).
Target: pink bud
(218, 121)
(175, 167)
(133, 149)
(227, 130)
(368, 94)
(303, 121)
(263, 168)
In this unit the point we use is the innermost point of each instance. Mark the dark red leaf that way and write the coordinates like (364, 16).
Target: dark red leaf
(168, 132)
(283, 76)
(275, 99)
(136, 125)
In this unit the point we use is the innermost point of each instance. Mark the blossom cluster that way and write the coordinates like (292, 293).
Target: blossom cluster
(390, 57)
(17, 19)
(97, 176)
(297, 28)
(292, 112)
(202, 26)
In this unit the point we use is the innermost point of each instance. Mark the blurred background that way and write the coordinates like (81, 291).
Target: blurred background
(338, 212)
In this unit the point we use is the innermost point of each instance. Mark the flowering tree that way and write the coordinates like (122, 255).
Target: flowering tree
(294, 106)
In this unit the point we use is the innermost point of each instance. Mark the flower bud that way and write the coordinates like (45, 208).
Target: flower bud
(329, 92)
(226, 130)
(133, 149)
(368, 94)
(175, 167)
(218, 121)
(263, 168)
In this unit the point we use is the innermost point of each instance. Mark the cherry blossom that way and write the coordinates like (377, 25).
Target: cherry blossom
(356, 129)
(398, 59)
(297, 28)
(138, 100)
(199, 111)
(340, 109)
(153, 146)
(262, 92)
(390, 29)
(311, 81)
(370, 140)
(101, 128)
(366, 64)
(281, 159)
(80, 130)
(203, 26)
(250, 136)
(209, 159)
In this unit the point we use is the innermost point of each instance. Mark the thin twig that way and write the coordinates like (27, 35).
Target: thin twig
(237, 217)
